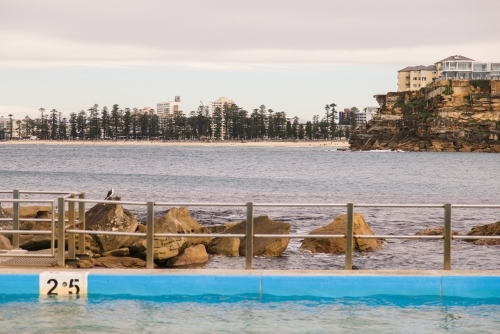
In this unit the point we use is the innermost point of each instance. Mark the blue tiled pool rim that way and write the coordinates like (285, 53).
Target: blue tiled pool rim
(290, 283)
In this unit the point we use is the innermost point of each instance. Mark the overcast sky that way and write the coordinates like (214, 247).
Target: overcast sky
(294, 56)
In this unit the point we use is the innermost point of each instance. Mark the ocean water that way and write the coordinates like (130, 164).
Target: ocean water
(249, 314)
(287, 175)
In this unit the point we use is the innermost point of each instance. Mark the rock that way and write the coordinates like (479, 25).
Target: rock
(4, 213)
(37, 241)
(262, 246)
(86, 264)
(435, 231)
(5, 243)
(110, 217)
(337, 246)
(122, 252)
(29, 211)
(191, 255)
(225, 246)
(176, 220)
(489, 229)
(218, 228)
(118, 262)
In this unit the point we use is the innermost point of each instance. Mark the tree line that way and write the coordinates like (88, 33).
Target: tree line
(227, 123)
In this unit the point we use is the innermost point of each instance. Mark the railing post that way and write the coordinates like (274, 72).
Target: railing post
(61, 245)
(348, 236)
(15, 219)
(71, 221)
(150, 235)
(81, 218)
(447, 237)
(53, 228)
(249, 237)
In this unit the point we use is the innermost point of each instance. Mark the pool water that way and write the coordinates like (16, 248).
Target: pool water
(248, 314)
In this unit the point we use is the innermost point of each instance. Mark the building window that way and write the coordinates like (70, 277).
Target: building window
(433, 72)
(414, 85)
(424, 79)
(415, 78)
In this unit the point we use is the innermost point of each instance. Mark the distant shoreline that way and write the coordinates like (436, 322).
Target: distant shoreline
(249, 143)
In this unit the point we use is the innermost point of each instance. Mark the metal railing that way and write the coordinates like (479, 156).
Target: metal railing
(16, 220)
(250, 235)
(73, 226)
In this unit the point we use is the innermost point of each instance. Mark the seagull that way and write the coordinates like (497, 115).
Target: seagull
(110, 193)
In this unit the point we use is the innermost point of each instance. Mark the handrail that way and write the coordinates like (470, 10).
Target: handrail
(250, 235)
(73, 225)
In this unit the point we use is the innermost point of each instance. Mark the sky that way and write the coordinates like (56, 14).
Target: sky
(292, 56)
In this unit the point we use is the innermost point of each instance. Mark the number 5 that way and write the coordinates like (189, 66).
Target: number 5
(71, 285)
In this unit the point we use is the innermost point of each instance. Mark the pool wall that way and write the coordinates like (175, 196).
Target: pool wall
(328, 284)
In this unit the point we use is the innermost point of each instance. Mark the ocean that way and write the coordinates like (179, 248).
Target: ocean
(284, 175)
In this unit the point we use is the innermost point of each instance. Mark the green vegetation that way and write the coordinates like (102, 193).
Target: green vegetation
(448, 90)
(228, 122)
(484, 85)
(410, 104)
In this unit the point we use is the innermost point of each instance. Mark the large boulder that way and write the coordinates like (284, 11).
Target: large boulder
(176, 220)
(37, 242)
(221, 228)
(435, 231)
(117, 262)
(489, 229)
(29, 211)
(4, 213)
(110, 217)
(191, 255)
(5, 243)
(261, 246)
(225, 246)
(337, 245)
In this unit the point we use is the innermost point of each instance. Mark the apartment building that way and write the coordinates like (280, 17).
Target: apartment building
(168, 108)
(463, 68)
(220, 103)
(416, 77)
(366, 115)
(454, 67)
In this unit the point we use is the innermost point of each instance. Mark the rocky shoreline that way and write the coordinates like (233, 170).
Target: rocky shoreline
(446, 116)
(106, 251)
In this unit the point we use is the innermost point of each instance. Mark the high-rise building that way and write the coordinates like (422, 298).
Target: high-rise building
(169, 108)
(220, 103)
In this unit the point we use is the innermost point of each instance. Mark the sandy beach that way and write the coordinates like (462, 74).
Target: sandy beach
(262, 143)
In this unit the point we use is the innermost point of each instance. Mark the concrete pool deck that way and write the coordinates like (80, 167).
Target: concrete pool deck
(281, 283)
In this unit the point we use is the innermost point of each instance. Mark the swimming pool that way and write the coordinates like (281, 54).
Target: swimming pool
(249, 314)
(255, 301)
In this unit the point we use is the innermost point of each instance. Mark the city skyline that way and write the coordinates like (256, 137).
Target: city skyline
(292, 56)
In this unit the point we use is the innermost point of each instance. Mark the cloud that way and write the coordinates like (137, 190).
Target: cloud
(31, 51)
(240, 34)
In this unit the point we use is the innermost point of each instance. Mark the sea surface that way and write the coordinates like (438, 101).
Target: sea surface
(284, 175)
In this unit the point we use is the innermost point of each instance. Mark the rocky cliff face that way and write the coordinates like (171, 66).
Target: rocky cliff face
(446, 116)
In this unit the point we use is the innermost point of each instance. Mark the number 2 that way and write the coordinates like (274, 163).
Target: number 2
(53, 288)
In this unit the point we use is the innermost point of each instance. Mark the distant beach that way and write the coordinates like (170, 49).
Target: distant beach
(261, 143)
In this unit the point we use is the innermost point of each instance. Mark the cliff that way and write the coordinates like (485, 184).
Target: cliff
(445, 116)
